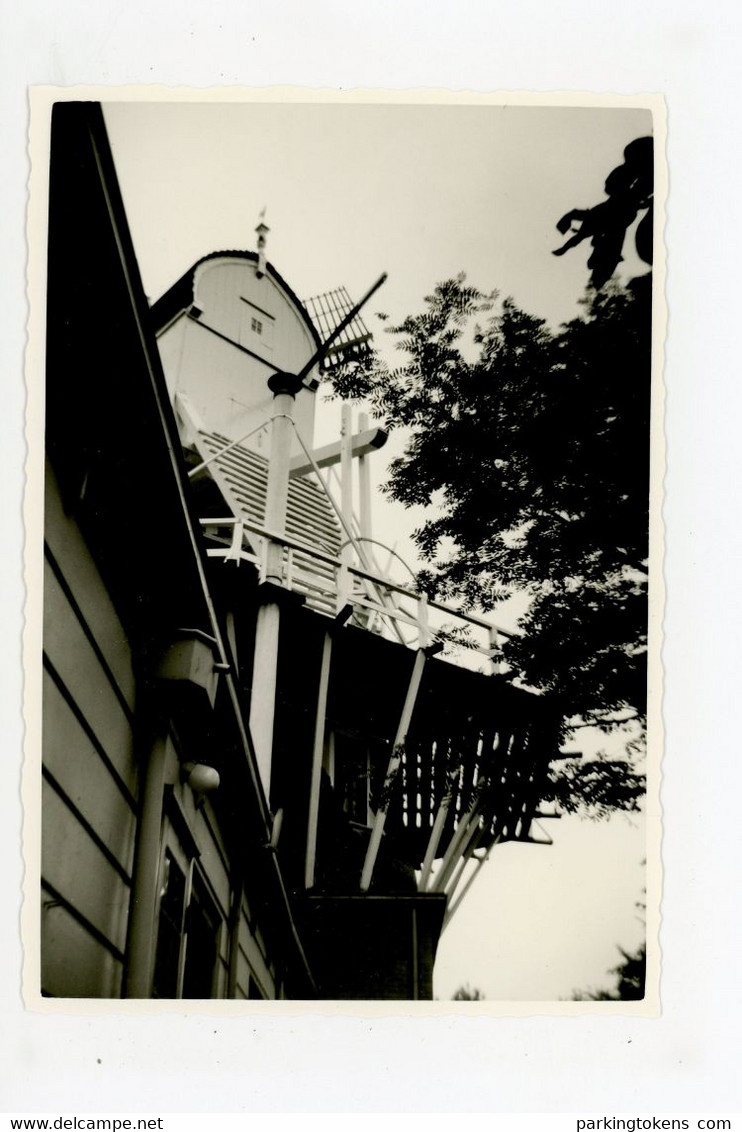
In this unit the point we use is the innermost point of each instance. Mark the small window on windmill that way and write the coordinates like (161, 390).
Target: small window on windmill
(256, 328)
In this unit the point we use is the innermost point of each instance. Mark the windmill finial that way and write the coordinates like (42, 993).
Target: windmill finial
(262, 230)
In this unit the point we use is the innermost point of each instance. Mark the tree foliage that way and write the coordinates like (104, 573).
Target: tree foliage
(630, 983)
(467, 994)
(530, 447)
(629, 190)
(596, 787)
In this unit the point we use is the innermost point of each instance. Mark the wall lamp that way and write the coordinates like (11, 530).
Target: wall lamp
(201, 778)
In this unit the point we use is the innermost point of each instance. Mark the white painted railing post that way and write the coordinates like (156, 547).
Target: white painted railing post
(364, 484)
(422, 616)
(346, 476)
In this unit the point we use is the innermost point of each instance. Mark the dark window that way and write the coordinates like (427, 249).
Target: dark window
(253, 991)
(202, 927)
(169, 931)
(187, 937)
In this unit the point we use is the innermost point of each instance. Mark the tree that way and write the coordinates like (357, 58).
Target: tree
(630, 190)
(530, 447)
(630, 982)
(596, 787)
(467, 994)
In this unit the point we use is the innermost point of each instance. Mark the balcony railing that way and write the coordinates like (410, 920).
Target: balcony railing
(379, 603)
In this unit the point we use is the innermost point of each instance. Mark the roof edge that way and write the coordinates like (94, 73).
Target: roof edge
(179, 296)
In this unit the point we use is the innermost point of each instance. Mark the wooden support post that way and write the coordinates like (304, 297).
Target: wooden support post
(234, 553)
(422, 616)
(473, 837)
(346, 476)
(364, 485)
(343, 586)
(317, 755)
(263, 696)
(140, 944)
(464, 829)
(433, 843)
(391, 773)
(362, 444)
(232, 638)
(495, 651)
(329, 763)
(475, 873)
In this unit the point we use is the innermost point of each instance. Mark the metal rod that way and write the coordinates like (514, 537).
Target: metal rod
(227, 448)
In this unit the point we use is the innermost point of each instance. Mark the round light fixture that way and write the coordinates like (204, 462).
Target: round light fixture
(201, 778)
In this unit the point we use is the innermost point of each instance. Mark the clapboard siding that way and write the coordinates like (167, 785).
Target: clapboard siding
(212, 862)
(74, 964)
(77, 663)
(68, 556)
(252, 961)
(90, 780)
(74, 761)
(251, 965)
(76, 866)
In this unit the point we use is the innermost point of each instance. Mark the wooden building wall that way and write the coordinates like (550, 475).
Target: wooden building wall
(90, 780)
(90, 795)
(124, 575)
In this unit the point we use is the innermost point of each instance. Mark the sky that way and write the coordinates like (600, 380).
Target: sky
(422, 192)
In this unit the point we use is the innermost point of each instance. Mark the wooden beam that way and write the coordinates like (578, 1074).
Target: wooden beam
(317, 755)
(435, 836)
(467, 827)
(346, 477)
(470, 846)
(364, 484)
(394, 764)
(267, 628)
(475, 873)
(360, 445)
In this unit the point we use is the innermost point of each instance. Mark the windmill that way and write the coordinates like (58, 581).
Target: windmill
(395, 773)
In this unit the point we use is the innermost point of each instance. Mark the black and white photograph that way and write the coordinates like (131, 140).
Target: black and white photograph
(370, 565)
(349, 673)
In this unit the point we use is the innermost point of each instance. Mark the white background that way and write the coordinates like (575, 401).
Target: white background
(687, 1059)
